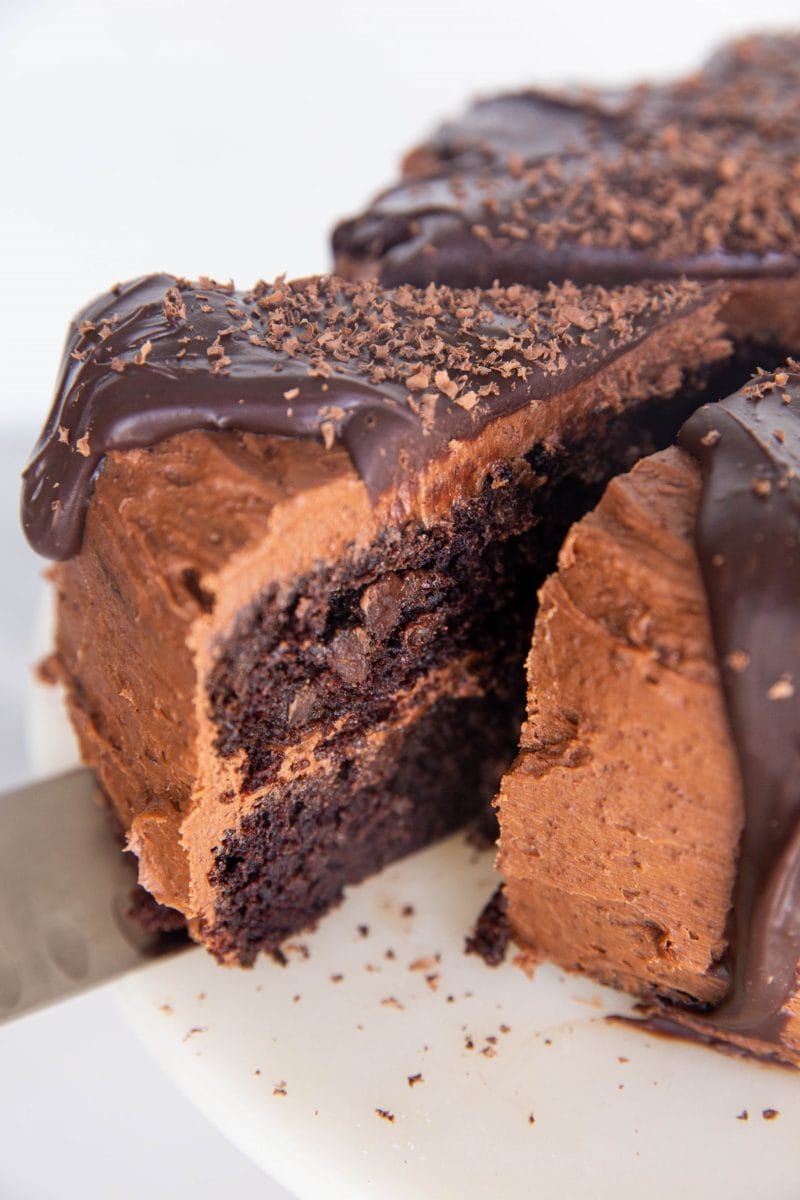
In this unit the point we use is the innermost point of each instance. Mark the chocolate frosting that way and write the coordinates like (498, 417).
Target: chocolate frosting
(697, 177)
(748, 543)
(394, 375)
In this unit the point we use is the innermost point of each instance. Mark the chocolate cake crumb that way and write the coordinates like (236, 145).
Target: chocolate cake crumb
(195, 1029)
(155, 917)
(425, 962)
(299, 948)
(384, 1114)
(743, 1115)
(481, 833)
(413, 1080)
(769, 1114)
(492, 933)
(280, 1088)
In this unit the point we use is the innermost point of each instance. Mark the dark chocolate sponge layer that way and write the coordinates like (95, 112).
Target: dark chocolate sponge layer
(290, 859)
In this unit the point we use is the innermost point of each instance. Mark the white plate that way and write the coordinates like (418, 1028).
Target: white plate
(525, 1088)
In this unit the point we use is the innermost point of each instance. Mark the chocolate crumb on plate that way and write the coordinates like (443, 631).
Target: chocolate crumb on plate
(492, 933)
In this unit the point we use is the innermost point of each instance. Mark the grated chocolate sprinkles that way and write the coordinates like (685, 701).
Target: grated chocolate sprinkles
(395, 375)
(699, 176)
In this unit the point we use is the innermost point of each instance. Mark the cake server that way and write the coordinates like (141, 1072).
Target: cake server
(65, 888)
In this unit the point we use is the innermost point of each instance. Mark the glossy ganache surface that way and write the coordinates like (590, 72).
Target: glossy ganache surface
(695, 177)
(748, 544)
(394, 375)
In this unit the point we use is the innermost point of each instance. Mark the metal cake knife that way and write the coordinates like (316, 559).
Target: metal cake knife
(65, 889)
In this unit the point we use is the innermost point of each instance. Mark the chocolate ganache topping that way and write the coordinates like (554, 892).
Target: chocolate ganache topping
(748, 542)
(394, 375)
(697, 177)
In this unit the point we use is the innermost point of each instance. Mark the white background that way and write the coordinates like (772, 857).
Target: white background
(224, 139)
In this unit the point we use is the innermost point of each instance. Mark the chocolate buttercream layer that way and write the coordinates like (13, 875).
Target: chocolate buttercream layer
(695, 178)
(397, 376)
(618, 823)
(748, 544)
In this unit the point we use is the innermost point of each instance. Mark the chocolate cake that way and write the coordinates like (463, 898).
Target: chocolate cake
(650, 826)
(299, 532)
(698, 178)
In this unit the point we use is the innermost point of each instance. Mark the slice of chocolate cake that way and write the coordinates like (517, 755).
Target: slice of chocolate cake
(300, 531)
(650, 827)
(697, 178)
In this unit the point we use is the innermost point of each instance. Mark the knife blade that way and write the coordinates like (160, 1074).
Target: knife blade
(65, 891)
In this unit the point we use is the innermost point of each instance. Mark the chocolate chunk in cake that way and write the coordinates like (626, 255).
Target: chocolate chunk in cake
(697, 178)
(650, 827)
(299, 534)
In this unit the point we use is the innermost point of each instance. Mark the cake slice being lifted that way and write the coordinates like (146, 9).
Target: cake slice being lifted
(650, 827)
(300, 531)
